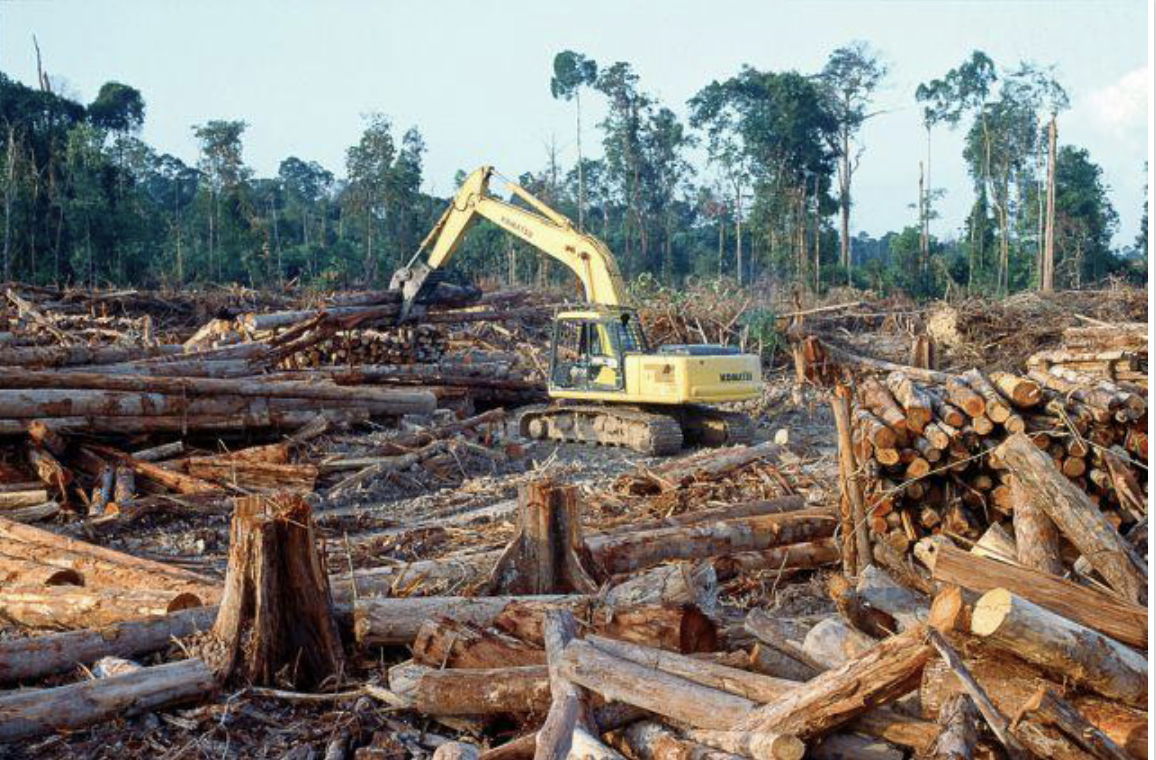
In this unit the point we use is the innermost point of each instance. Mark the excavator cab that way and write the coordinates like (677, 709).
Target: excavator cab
(589, 347)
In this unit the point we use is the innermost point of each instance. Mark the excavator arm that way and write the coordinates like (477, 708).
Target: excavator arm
(540, 226)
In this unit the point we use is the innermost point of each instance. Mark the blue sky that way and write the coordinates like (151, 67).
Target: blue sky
(474, 75)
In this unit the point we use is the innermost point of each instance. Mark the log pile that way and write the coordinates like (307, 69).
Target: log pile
(929, 448)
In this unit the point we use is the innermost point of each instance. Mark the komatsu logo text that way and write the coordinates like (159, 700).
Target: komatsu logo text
(736, 377)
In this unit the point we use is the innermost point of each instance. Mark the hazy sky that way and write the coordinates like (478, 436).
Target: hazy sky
(473, 75)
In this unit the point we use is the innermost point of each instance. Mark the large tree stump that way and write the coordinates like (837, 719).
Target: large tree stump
(548, 554)
(276, 621)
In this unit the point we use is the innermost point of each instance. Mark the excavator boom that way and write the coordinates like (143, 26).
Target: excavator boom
(540, 226)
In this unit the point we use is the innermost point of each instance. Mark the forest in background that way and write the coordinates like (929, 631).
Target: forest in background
(84, 200)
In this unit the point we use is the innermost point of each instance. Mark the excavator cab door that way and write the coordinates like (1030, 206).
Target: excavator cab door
(586, 355)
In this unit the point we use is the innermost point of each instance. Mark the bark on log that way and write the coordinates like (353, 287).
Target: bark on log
(1037, 540)
(71, 607)
(1077, 518)
(629, 552)
(676, 583)
(1120, 620)
(35, 712)
(468, 691)
(1061, 646)
(957, 720)
(32, 657)
(806, 556)
(886, 672)
(379, 622)
(1023, 392)
(447, 643)
(29, 573)
(1050, 709)
(1010, 682)
(964, 397)
(276, 609)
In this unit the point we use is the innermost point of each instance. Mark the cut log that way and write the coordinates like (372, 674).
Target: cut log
(1037, 541)
(35, 712)
(777, 505)
(276, 619)
(676, 583)
(996, 406)
(1023, 392)
(379, 622)
(887, 671)
(917, 405)
(996, 720)
(25, 659)
(880, 401)
(103, 568)
(21, 572)
(964, 397)
(651, 740)
(1080, 521)
(743, 743)
(661, 693)
(1061, 646)
(71, 607)
(629, 552)
(469, 691)
(1120, 620)
(806, 556)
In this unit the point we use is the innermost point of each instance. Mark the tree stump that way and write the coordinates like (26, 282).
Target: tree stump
(275, 623)
(548, 555)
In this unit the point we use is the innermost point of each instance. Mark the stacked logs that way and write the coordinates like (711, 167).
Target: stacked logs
(1118, 353)
(926, 442)
(403, 345)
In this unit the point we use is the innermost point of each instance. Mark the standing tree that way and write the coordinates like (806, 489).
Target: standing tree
(622, 144)
(225, 173)
(850, 77)
(1085, 220)
(714, 109)
(117, 108)
(368, 165)
(572, 72)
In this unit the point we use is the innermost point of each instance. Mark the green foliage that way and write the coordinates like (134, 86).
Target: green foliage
(83, 199)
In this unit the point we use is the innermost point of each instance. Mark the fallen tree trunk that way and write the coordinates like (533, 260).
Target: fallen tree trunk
(629, 552)
(1061, 646)
(29, 573)
(467, 691)
(90, 559)
(35, 712)
(381, 622)
(885, 672)
(32, 657)
(1077, 517)
(806, 556)
(71, 607)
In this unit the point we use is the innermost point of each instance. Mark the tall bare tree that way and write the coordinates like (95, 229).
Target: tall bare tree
(850, 77)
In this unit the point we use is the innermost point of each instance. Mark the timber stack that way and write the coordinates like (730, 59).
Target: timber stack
(930, 445)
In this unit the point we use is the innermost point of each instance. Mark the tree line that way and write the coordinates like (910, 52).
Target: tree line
(84, 200)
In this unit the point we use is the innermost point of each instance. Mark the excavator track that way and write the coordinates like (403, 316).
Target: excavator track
(706, 426)
(650, 433)
(656, 432)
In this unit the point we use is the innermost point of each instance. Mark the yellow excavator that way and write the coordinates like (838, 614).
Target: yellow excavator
(608, 385)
